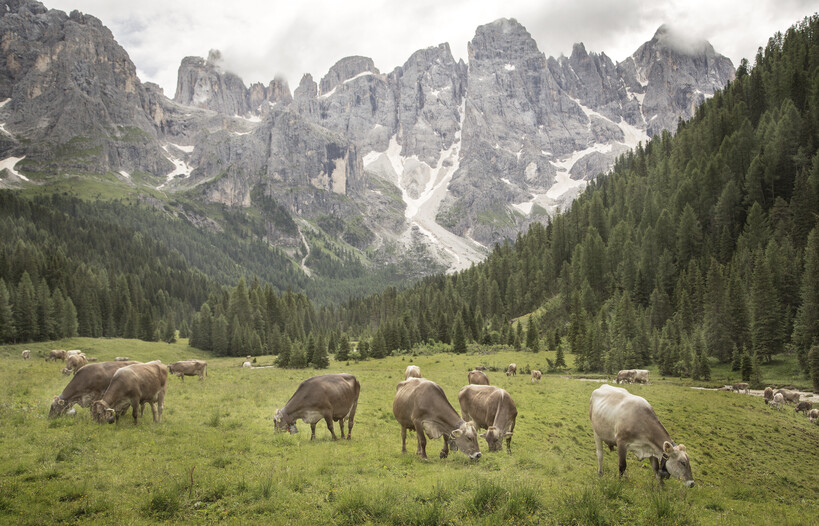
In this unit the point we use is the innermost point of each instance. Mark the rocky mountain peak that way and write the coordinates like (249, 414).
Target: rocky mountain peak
(346, 69)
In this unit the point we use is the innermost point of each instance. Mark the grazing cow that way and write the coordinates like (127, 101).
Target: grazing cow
(788, 395)
(422, 406)
(75, 362)
(133, 386)
(625, 376)
(640, 376)
(412, 371)
(491, 408)
(92, 359)
(512, 370)
(477, 378)
(767, 394)
(247, 365)
(26, 354)
(480, 368)
(805, 407)
(742, 387)
(628, 422)
(189, 368)
(814, 416)
(88, 385)
(122, 359)
(75, 352)
(56, 354)
(332, 397)
(778, 401)
(536, 375)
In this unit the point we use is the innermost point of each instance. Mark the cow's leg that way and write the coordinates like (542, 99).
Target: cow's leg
(329, 420)
(403, 439)
(598, 442)
(134, 405)
(509, 439)
(341, 426)
(622, 449)
(422, 441)
(445, 450)
(153, 410)
(313, 431)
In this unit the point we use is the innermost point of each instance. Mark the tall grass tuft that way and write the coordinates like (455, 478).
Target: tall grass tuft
(487, 498)
(587, 508)
(163, 504)
(358, 507)
(523, 502)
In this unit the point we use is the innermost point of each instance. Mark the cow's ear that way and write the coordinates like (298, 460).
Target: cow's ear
(457, 433)
(681, 448)
(667, 447)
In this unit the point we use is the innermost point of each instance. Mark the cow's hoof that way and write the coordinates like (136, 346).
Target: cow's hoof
(444, 455)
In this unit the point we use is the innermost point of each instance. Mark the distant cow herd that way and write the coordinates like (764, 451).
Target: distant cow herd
(619, 419)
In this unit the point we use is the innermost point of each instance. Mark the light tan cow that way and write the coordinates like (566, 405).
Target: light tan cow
(75, 362)
(73, 352)
(625, 376)
(791, 397)
(422, 406)
(741, 387)
(26, 354)
(247, 365)
(628, 422)
(813, 416)
(185, 368)
(133, 386)
(640, 376)
(778, 401)
(491, 408)
(87, 386)
(536, 375)
(412, 371)
(331, 397)
(512, 370)
(122, 359)
(56, 354)
(477, 378)
(767, 394)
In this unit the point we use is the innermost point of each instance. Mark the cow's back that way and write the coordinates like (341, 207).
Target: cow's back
(338, 392)
(483, 402)
(614, 411)
(416, 398)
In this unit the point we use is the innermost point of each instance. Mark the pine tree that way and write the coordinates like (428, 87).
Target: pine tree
(331, 345)
(736, 359)
(560, 360)
(7, 330)
(806, 324)
(169, 334)
(298, 358)
(704, 366)
(283, 359)
(184, 330)
(458, 338)
(320, 359)
(237, 347)
(755, 378)
(766, 325)
(25, 310)
(311, 349)
(746, 368)
(814, 367)
(219, 336)
(68, 324)
(343, 353)
(532, 337)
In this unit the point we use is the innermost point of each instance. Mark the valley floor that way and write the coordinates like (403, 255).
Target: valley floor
(215, 456)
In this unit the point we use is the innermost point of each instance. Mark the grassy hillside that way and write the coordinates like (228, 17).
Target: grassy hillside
(215, 456)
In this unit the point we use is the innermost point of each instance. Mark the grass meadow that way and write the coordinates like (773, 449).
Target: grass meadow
(215, 457)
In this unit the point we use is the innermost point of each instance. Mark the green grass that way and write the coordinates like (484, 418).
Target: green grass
(216, 458)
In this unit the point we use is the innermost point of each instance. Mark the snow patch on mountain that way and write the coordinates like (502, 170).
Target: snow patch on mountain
(9, 163)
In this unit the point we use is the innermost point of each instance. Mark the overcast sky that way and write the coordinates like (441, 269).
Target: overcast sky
(260, 39)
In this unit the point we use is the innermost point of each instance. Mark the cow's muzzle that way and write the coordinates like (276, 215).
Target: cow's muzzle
(293, 429)
(689, 483)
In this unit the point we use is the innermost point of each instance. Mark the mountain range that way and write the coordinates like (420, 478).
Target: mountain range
(436, 160)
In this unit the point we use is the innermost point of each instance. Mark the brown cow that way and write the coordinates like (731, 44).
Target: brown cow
(814, 416)
(133, 386)
(741, 387)
(628, 422)
(491, 408)
(88, 385)
(477, 378)
(805, 407)
(536, 375)
(788, 395)
(421, 405)
(412, 371)
(625, 376)
(75, 362)
(332, 397)
(185, 368)
(512, 370)
(767, 394)
(56, 354)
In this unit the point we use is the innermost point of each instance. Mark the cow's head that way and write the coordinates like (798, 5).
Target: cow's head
(102, 412)
(494, 438)
(58, 407)
(466, 440)
(283, 423)
(675, 462)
